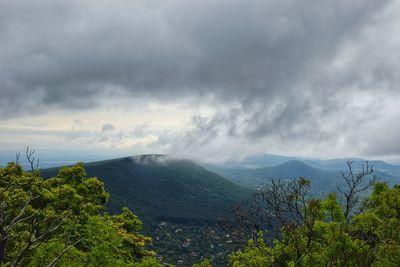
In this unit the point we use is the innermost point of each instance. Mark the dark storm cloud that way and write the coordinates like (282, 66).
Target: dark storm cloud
(271, 67)
(66, 52)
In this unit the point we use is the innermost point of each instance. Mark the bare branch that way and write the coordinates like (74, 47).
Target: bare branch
(56, 259)
(36, 241)
(19, 217)
(33, 161)
(356, 183)
(17, 156)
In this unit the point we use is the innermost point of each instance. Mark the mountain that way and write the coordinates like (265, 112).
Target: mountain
(158, 188)
(322, 181)
(270, 160)
(340, 164)
(286, 171)
(289, 170)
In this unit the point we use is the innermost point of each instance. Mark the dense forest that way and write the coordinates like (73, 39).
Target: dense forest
(63, 221)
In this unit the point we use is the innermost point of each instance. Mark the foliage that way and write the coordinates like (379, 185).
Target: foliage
(60, 221)
(204, 263)
(189, 244)
(325, 237)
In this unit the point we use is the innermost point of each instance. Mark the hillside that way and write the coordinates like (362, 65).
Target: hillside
(157, 188)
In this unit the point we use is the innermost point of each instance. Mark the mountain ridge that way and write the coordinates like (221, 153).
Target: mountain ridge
(322, 181)
(158, 188)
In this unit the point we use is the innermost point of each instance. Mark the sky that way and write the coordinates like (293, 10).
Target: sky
(211, 80)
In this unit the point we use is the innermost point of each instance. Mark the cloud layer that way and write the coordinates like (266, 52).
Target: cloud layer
(297, 77)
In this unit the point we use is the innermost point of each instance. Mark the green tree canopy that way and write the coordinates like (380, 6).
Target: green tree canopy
(326, 237)
(60, 221)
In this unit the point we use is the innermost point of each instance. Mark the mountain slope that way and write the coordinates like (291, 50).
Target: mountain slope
(161, 189)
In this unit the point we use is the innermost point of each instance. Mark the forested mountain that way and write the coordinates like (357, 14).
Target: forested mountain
(159, 188)
(179, 202)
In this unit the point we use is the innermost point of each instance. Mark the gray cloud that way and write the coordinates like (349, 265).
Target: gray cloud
(67, 51)
(107, 127)
(276, 71)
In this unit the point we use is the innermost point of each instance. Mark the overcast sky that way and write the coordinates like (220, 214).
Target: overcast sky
(210, 79)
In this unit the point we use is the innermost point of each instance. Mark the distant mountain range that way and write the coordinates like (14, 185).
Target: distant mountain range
(322, 181)
(270, 160)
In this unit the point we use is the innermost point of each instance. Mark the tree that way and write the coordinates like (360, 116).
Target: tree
(60, 221)
(282, 205)
(329, 232)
